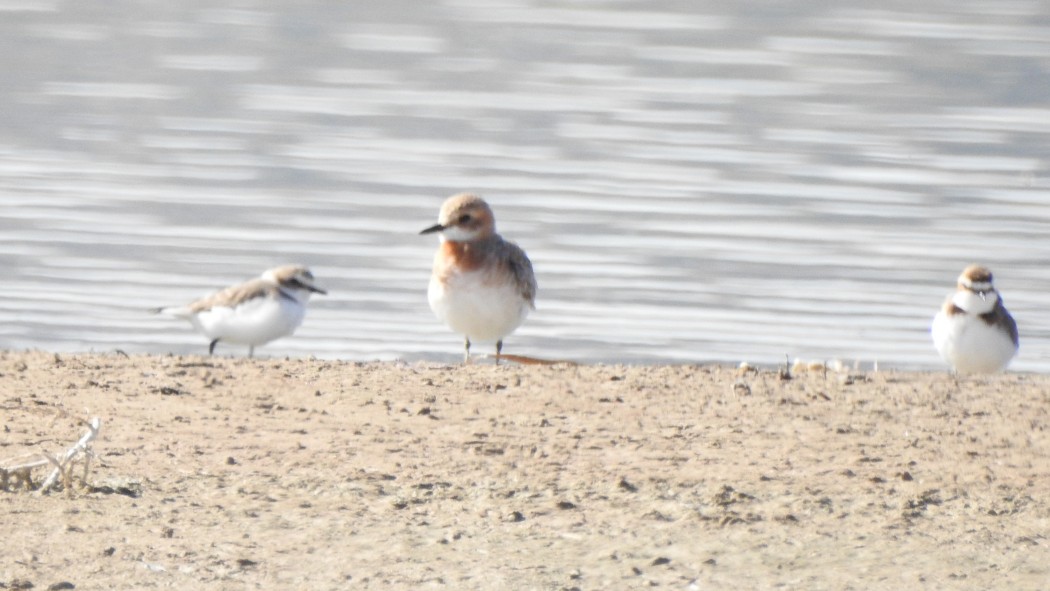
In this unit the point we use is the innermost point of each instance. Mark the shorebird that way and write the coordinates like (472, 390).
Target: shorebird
(252, 313)
(482, 286)
(973, 332)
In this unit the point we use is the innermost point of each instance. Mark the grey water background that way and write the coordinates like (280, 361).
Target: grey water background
(694, 180)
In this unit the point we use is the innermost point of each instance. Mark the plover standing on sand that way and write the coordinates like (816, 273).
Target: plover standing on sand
(252, 313)
(482, 286)
(973, 332)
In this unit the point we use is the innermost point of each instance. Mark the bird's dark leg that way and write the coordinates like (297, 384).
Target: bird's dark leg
(466, 350)
(211, 347)
(499, 349)
(251, 351)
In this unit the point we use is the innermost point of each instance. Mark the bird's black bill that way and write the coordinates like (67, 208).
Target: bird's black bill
(300, 285)
(432, 229)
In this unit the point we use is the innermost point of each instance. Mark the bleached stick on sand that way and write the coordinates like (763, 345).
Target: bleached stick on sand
(81, 446)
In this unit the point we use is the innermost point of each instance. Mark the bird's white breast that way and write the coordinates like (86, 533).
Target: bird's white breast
(253, 322)
(475, 305)
(971, 345)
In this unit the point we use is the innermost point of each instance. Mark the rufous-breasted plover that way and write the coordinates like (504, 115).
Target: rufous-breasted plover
(482, 286)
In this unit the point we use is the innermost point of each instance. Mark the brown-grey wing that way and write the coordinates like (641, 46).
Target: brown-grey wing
(231, 296)
(521, 268)
(1010, 323)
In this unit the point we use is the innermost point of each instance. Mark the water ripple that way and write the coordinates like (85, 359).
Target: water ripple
(692, 182)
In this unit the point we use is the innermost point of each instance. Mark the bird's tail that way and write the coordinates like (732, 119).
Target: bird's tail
(173, 311)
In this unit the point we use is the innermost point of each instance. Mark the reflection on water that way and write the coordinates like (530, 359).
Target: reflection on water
(693, 181)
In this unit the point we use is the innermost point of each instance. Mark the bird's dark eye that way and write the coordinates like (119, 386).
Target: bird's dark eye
(464, 218)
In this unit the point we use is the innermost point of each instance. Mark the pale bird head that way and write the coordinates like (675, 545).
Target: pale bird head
(977, 279)
(293, 277)
(463, 218)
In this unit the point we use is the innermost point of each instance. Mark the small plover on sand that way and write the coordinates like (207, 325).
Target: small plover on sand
(973, 332)
(252, 313)
(482, 286)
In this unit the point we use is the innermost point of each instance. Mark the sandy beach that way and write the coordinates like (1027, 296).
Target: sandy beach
(230, 473)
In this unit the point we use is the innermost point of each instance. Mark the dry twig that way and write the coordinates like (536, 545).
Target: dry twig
(17, 472)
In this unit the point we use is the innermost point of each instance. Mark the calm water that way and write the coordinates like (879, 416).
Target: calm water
(694, 181)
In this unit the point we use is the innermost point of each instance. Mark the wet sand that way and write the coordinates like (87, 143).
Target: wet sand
(228, 473)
